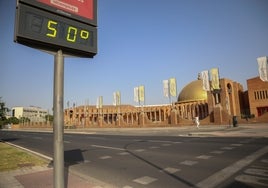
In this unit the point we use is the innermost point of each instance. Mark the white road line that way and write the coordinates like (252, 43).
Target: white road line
(108, 147)
(123, 153)
(139, 150)
(154, 147)
(254, 171)
(252, 180)
(227, 172)
(127, 186)
(204, 157)
(189, 163)
(166, 144)
(145, 180)
(227, 148)
(236, 144)
(217, 152)
(171, 170)
(164, 141)
(105, 157)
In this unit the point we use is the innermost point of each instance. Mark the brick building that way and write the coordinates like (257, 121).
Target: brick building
(258, 96)
(192, 101)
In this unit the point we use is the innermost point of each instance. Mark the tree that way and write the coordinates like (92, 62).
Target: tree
(3, 111)
(24, 120)
(49, 118)
(13, 120)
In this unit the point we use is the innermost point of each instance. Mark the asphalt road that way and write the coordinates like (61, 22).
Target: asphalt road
(158, 161)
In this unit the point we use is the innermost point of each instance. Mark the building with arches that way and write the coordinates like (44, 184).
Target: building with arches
(212, 107)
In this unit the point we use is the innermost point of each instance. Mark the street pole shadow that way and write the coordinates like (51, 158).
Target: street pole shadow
(71, 157)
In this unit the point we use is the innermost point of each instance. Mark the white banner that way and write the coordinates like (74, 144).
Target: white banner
(117, 98)
(166, 88)
(205, 79)
(136, 94)
(99, 102)
(263, 68)
(114, 98)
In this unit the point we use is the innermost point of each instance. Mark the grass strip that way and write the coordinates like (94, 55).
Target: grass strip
(12, 158)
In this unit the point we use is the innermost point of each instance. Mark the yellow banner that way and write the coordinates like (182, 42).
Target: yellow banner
(173, 87)
(215, 82)
(141, 93)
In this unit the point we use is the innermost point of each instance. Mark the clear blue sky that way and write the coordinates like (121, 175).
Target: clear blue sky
(140, 42)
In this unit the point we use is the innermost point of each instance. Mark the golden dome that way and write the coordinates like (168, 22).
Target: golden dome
(192, 92)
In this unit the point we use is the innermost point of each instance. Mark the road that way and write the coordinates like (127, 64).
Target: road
(157, 161)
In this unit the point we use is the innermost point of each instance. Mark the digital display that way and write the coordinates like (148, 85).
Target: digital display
(80, 10)
(41, 29)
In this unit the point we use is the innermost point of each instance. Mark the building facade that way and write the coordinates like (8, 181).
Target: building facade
(258, 96)
(193, 101)
(33, 114)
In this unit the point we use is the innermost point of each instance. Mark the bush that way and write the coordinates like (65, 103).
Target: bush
(12, 120)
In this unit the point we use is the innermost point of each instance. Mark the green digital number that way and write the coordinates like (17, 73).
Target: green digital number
(72, 32)
(84, 34)
(51, 25)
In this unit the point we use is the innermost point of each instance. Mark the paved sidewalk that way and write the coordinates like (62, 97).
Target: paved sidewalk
(40, 177)
(245, 130)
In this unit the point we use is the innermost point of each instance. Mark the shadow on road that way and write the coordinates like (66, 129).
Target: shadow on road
(158, 167)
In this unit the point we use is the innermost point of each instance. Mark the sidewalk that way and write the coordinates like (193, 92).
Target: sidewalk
(41, 177)
(245, 130)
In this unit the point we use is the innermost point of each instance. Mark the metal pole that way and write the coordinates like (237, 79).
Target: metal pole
(58, 170)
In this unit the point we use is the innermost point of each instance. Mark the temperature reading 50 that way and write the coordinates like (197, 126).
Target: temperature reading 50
(71, 33)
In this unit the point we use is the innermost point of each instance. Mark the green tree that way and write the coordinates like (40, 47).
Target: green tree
(3, 111)
(13, 120)
(24, 120)
(49, 118)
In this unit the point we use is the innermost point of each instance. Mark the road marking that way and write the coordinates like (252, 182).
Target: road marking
(189, 163)
(139, 150)
(105, 157)
(258, 172)
(145, 180)
(236, 144)
(227, 172)
(247, 141)
(204, 157)
(171, 170)
(164, 141)
(166, 144)
(123, 153)
(108, 147)
(217, 152)
(259, 167)
(227, 148)
(252, 180)
(154, 147)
